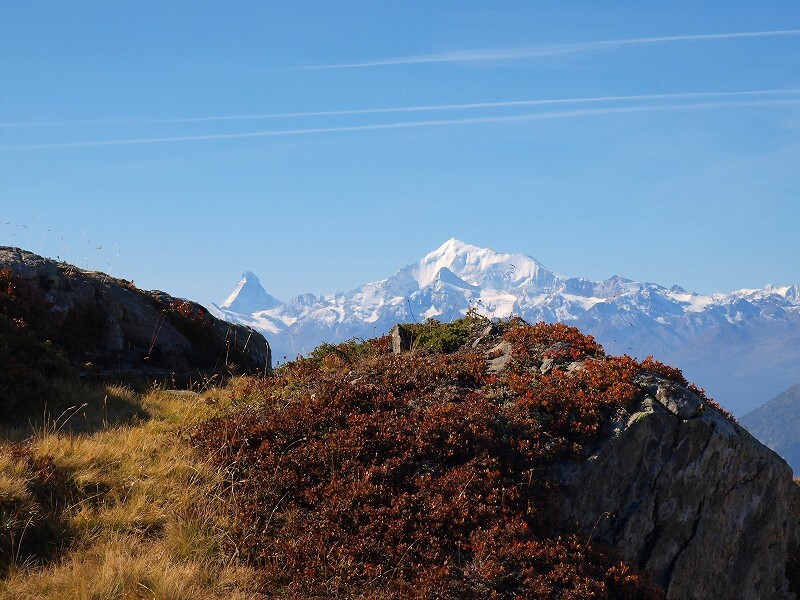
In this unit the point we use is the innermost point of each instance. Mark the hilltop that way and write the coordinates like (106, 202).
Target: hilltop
(777, 424)
(483, 458)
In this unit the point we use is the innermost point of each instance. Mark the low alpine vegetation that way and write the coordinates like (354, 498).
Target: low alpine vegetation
(361, 473)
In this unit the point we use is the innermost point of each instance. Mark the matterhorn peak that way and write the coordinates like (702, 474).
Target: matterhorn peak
(249, 296)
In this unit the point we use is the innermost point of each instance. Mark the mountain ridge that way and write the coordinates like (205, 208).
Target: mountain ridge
(755, 331)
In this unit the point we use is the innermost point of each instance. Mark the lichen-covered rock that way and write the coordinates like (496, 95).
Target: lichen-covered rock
(683, 491)
(109, 328)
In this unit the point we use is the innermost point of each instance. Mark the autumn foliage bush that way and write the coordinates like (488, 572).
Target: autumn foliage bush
(555, 341)
(421, 475)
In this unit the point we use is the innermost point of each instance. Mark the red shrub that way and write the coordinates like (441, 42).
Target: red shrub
(420, 476)
(557, 341)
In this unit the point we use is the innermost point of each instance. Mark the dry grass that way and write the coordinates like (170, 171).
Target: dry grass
(141, 515)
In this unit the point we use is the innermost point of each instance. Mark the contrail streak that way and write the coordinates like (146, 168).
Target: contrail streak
(409, 124)
(537, 51)
(410, 109)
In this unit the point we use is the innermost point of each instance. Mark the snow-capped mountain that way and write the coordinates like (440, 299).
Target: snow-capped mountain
(249, 296)
(743, 347)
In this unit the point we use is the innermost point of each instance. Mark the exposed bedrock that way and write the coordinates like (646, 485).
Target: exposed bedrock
(683, 491)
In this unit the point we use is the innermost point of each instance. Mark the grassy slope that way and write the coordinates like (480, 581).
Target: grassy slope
(109, 500)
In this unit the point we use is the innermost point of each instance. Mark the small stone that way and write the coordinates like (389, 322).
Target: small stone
(679, 401)
(401, 339)
(575, 366)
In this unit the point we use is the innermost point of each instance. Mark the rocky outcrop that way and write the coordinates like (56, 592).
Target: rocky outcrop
(109, 328)
(676, 487)
(680, 489)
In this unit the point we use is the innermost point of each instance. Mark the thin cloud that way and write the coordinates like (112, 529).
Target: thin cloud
(21, 124)
(419, 108)
(462, 56)
(542, 116)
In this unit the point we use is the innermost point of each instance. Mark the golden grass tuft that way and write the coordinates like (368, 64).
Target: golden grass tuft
(145, 516)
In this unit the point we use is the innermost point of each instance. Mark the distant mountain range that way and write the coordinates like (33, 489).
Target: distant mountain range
(742, 347)
(777, 425)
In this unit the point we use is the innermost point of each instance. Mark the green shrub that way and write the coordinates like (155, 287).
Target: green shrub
(350, 352)
(435, 336)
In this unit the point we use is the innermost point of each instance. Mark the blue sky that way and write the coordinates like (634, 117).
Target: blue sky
(323, 145)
